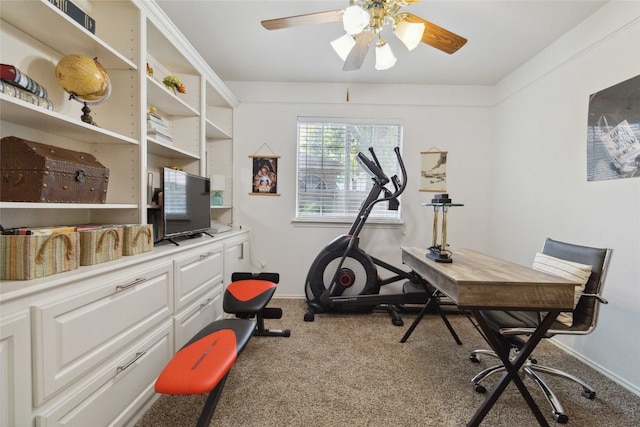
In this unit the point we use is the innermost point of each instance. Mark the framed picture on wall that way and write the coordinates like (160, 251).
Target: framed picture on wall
(265, 176)
(433, 171)
(613, 132)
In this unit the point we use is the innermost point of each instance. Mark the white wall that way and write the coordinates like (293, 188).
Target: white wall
(458, 123)
(541, 176)
(517, 160)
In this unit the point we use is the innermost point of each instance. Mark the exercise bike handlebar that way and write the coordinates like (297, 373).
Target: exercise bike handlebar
(374, 169)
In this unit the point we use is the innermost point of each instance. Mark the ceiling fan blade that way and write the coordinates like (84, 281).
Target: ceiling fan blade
(359, 52)
(436, 36)
(307, 19)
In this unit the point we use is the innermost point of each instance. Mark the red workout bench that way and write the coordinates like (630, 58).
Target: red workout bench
(203, 364)
(247, 297)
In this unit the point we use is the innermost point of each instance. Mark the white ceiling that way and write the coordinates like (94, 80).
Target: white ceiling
(502, 34)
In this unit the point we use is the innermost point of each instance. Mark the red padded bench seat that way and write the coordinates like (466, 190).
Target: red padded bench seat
(247, 297)
(202, 365)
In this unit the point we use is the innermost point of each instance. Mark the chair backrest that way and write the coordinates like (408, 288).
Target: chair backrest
(586, 312)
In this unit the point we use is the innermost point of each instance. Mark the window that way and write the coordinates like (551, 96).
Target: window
(331, 184)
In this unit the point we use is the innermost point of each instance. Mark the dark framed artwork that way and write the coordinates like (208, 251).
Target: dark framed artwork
(265, 176)
(433, 171)
(613, 132)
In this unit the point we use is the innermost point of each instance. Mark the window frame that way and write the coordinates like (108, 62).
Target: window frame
(384, 154)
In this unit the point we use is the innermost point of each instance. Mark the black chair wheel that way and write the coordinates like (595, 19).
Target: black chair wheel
(397, 322)
(480, 389)
(474, 359)
(589, 394)
(286, 333)
(561, 418)
(309, 317)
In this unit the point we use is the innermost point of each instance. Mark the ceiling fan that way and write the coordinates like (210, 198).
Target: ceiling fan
(363, 20)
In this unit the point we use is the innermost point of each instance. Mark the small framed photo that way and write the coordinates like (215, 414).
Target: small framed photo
(265, 176)
(433, 171)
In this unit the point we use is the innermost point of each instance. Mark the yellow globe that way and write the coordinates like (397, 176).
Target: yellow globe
(83, 78)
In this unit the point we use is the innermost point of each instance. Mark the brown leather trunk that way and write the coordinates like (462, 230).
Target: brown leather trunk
(34, 172)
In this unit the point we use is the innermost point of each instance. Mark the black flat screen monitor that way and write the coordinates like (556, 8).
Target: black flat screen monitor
(186, 208)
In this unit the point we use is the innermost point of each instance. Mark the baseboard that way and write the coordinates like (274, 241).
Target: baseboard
(604, 371)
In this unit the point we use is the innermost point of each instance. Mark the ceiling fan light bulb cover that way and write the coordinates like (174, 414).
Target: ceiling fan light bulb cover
(384, 57)
(343, 45)
(355, 19)
(409, 33)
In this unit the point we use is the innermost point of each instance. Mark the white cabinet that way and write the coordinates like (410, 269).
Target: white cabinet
(74, 333)
(198, 315)
(84, 348)
(114, 392)
(196, 272)
(15, 371)
(236, 256)
(198, 290)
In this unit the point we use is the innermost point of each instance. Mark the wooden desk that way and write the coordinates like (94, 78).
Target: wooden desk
(477, 282)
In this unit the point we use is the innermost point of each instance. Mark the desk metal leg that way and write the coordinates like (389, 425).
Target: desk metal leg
(432, 301)
(511, 367)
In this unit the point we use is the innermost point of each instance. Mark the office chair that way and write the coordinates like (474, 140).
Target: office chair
(512, 325)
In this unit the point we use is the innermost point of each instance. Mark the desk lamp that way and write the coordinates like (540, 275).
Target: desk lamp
(439, 252)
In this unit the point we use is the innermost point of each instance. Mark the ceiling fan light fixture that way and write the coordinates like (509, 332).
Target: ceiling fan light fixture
(384, 56)
(343, 45)
(409, 33)
(355, 19)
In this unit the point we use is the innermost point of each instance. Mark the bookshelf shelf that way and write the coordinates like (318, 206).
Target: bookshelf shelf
(22, 113)
(165, 101)
(60, 206)
(166, 150)
(215, 132)
(37, 18)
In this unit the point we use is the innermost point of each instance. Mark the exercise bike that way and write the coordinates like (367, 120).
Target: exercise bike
(344, 278)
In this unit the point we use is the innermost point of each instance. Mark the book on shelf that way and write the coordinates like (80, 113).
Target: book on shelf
(24, 95)
(157, 127)
(155, 119)
(74, 12)
(154, 133)
(160, 137)
(11, 74)
(38, 231)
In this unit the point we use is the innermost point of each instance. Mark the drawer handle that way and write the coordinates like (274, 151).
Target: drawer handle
(139, 280)
(135, 359)
(206, 303)
(207, 255)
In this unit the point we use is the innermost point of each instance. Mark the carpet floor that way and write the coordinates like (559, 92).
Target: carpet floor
(351, 370)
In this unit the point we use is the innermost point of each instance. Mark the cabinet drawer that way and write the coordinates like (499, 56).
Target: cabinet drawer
(195, 317)
(196, 273)
(117, 392)
(75, 334)
(15, 371)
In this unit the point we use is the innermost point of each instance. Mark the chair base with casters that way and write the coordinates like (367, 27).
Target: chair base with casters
(513, 325)
(531, 369)
(247, 297)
